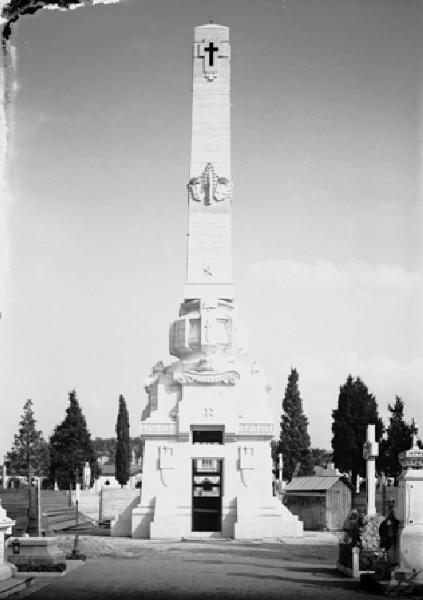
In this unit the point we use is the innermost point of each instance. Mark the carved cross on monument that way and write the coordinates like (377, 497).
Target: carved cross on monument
(211, 49)
(370, 452)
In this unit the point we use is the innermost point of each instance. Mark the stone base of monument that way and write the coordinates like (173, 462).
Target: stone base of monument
(35, 554)
(411, 550)
(270, 520)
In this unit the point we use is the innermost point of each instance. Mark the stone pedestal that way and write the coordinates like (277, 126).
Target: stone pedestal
(207, 432)
(410, 510)
(6, 569)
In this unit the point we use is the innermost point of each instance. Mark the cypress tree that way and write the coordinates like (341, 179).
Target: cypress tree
(398, 439)
(29, 455)
(123, 451)
(357, 408)
(71, 447)
(295, 440)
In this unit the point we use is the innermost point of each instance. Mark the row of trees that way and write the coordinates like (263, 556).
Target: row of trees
(70, 445)
(356, 409)
(62, 459)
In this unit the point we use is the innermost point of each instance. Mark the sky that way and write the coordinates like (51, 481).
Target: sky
(327, 209)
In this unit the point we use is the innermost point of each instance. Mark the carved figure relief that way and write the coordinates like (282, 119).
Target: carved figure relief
(208, 187)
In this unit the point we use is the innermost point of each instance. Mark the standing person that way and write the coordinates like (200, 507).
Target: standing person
(388, 532)
(352, 527)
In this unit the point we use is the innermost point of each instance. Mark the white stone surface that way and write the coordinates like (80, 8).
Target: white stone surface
(213, 386)
(6, 569)
(410, 510)
(209, 245)
(370, 452)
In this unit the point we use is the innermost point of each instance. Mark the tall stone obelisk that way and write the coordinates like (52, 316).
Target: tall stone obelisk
(207, 427)
(209, 251)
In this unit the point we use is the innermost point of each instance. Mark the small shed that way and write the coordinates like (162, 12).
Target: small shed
(322, 501)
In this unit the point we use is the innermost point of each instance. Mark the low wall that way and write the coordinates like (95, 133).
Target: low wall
(359, 501)
(117, 505)
(52, 500)
(16, 503)
(89, 503)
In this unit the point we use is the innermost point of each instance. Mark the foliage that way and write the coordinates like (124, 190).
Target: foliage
(320, 457)
(70, 447)
(29, 455)
(294, 441)
(398, 439)
(123, 452)
(107, 447)
(357, 408)
(137, 447)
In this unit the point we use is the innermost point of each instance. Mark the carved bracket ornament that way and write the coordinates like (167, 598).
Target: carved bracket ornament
(208, 187)
(166, 463)
(227, 378)
(246, 464)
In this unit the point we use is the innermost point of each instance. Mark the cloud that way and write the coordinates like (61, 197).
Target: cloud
(323, 274)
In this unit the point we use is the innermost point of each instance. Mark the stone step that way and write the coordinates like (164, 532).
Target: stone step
(14, 586)
(65, 520)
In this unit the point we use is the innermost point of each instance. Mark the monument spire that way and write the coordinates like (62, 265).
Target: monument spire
(209, 247)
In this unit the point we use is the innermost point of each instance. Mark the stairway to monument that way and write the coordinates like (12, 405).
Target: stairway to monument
(64, 519)
(14, 585)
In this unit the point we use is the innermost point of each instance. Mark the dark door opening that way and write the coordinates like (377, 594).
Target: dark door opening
(206, 494)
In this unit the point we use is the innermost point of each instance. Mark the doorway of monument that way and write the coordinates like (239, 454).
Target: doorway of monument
(207, 494)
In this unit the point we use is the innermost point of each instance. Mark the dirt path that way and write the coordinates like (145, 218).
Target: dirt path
(205, 569)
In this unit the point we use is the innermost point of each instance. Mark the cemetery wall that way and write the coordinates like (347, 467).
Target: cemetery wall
(89, 503)
(52, 500)
(359, 500)
(117, 505)
(15, 501)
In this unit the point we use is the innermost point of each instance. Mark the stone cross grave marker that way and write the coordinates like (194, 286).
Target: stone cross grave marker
(370, 452)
